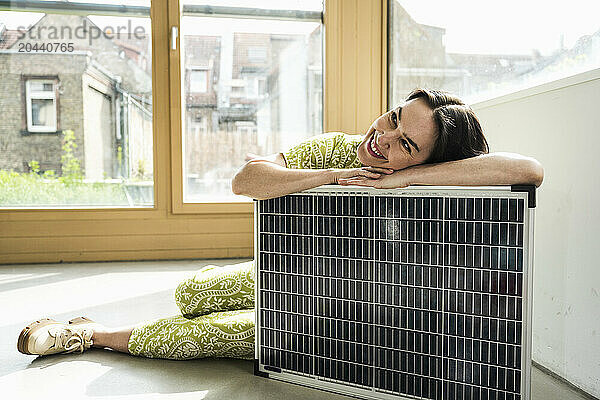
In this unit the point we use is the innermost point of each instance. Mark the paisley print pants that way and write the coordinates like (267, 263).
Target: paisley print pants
(217, 307)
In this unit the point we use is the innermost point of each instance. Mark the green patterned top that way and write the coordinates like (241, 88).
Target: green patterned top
(327, 150)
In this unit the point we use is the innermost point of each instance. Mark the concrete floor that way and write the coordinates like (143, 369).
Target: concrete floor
(124, 293)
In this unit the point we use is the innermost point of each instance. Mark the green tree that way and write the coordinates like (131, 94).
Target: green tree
(71, 171)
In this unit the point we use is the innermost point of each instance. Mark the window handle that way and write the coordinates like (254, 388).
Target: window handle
(174, 32)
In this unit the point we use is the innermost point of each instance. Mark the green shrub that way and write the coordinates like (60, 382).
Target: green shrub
(33, 190)
(38, 190)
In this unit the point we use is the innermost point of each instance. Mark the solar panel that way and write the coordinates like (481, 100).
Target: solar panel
(421, 292)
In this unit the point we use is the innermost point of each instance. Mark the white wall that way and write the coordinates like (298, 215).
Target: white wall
(559, 125)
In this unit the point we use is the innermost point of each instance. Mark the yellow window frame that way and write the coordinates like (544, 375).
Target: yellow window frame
(355, 91)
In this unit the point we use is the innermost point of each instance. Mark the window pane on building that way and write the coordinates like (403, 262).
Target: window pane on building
(198, 81)
(43, 112)
(264, 94)
(480, 50)
(40, 86)
(76, 95)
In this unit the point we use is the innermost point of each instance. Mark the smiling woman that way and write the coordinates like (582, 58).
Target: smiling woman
(389, 143)
(431, 126)
(431, 139)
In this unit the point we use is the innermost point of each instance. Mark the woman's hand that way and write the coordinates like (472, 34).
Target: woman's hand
(342, 175)
(396, 179)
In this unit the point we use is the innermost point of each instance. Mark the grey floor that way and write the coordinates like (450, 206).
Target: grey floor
(124, 293)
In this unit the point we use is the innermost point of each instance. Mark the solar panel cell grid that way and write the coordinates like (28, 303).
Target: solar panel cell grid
(419, 296)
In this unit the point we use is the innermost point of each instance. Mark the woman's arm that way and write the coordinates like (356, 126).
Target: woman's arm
(484, 170)
(268, 177)
(260, 179)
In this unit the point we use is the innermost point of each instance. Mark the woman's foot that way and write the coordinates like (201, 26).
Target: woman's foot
(47, 336)
(81, 321)
(102, 337)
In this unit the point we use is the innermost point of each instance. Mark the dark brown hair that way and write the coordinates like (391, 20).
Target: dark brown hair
(459, 133)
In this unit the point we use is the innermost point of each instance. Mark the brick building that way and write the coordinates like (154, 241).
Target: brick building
(91, 86)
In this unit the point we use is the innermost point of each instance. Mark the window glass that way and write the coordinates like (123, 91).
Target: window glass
(257, 54)
(481, 50)
(43, 112)
(78, 83)
(264, 93)
(40, 86)
(198, 81)
(40, 106)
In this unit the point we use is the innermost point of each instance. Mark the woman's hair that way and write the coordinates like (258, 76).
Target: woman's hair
(459, 133)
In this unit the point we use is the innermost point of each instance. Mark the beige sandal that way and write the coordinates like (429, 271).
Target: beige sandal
(47, 336)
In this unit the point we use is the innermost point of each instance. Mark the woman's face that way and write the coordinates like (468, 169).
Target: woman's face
(400, 138)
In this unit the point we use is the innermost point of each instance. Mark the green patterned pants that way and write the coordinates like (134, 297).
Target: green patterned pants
(217, 307)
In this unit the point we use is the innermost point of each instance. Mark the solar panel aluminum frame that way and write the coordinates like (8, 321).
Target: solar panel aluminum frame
(525, 192)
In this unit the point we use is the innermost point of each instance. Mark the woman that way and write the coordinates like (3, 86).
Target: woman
(433, 132)
(431, 139)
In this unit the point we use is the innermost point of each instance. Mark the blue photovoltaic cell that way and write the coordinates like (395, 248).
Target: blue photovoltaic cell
(419, 296)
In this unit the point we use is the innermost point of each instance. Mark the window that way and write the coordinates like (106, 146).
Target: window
(257, 54)
(87, 86)
(238, 87)
(267, 90)
(467, 48)
(198, 81)
(255, 86)
(41, 105)
(262, 86)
